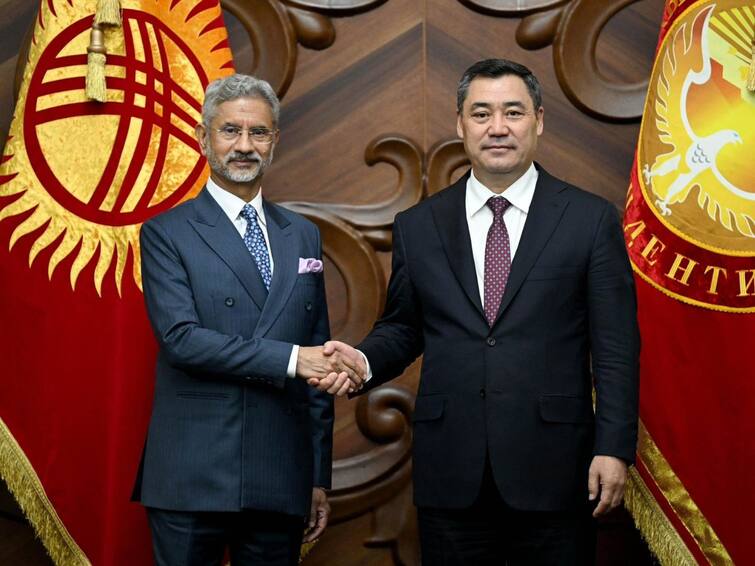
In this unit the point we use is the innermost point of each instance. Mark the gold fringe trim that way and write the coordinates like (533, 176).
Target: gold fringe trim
(108, 13)
(679, 498)
(25, 486)
(653, 524)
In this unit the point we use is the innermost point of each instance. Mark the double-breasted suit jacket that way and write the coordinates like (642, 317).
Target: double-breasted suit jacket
(229, 430)
(518, 393)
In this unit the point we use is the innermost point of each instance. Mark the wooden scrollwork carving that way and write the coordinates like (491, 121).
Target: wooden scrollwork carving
(577, 69)
(274, 28)
(443, 159)
(379, 480)
(357, 263)
(363, 481)
(539, 30)
(273, 40)
(573, 27)
(375, 220)
(313, 30)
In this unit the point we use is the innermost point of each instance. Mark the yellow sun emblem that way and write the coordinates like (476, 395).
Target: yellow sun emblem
(86, 175)
(698, 135)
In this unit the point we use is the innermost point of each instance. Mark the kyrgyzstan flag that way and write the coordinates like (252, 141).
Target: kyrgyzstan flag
(77, 180)
(690, 231)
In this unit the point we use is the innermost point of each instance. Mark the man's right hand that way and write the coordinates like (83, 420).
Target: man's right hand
(315, 364)
(342, 383)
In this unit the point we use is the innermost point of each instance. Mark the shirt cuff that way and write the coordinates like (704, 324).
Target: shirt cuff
(368, 373)
(291, 371)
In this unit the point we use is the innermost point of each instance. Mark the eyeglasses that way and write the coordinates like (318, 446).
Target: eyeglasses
(259, 135)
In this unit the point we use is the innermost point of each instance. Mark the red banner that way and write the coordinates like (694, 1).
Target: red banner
(77, 180)
(690, 231)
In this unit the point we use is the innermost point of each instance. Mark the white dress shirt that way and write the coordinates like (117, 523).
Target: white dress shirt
(480, 218)
(232, 205)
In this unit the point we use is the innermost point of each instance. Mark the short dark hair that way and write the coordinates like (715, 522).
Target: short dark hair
(492, 69)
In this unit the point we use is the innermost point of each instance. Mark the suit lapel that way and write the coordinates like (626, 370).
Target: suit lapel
(285, 252)
(544, 215)
(219, 233)
(449, 213)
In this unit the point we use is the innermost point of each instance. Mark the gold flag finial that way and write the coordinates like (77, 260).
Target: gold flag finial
(108, 14)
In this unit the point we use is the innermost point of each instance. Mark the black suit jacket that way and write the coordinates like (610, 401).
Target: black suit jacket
(519, 393)
(229, 430)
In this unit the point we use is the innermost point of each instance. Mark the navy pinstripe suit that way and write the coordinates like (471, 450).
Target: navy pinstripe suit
(229, 430)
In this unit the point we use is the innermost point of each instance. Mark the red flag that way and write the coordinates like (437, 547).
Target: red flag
(77, 180)
(690, 231)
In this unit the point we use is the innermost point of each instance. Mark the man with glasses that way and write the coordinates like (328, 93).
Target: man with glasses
(238, 452)
(516, 287)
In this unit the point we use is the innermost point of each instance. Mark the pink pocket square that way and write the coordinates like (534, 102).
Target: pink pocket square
(309, 265)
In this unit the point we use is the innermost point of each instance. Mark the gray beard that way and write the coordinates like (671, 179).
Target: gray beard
(221, 168)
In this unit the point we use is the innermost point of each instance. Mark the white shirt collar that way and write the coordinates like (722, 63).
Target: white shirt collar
(519, 193)
(232, 205)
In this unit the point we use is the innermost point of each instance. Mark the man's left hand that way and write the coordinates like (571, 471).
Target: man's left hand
(607, 478)
(318, 515)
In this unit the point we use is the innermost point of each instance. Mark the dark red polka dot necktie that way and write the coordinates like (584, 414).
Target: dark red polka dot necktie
(497, 259)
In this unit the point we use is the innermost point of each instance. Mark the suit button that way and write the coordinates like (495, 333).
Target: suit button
(229, 301)
(482, 392)
(491, 341)
(308, 307)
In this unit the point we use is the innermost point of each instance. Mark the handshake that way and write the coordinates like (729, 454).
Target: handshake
(334, 367)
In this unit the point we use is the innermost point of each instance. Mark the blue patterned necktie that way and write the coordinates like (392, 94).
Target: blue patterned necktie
(254, 240)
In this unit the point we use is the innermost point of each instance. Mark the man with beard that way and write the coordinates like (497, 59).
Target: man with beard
(238, 452)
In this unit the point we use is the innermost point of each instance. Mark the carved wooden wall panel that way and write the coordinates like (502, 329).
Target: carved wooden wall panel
(368, 129)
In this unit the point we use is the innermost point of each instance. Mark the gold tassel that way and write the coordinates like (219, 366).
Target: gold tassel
(95, 88)
(751, 74)
(95, 81)
(108, 13)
